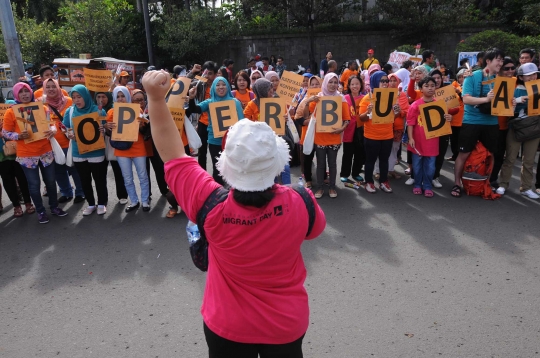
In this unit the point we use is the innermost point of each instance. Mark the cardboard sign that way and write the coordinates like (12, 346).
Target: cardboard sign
(312, 92)
(504, 94)
(32, 119)
(272, 111)
(202, 79)
(3, 109)
(448, 93)
(97, 80)
(398, 58)
(432, 115)
(178, 116)
(488, 82)
(329, 114)
(223, 115)
(289, 85)
(533, 91)
(126, 116)
(87, 132)
(383, 112)
(176, 97)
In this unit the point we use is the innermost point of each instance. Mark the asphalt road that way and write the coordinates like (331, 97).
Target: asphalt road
(393, 275)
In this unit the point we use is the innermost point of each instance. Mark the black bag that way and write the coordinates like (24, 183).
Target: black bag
(199, 249)
(121, 145)
(484, 107)
(526, 128)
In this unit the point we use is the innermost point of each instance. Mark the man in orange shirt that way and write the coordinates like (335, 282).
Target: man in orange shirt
(209, 70)
(352, 70)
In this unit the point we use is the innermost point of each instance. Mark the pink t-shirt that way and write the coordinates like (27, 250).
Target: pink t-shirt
(255, 285)
(426, 147)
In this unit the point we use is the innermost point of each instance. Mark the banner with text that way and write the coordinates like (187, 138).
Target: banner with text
(289, 85)
(98, 80)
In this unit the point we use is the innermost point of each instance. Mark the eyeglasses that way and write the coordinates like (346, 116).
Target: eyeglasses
(384, 81)
(509, 68)
(138, 100)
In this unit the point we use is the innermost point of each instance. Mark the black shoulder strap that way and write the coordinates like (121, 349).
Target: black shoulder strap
(310, 206)
(57, 113)
(218, 196)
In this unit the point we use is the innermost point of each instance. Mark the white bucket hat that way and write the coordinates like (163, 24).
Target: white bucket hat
(253, 156)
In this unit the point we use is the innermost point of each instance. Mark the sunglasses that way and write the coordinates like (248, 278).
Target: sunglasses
(384, 81)
(509, 68)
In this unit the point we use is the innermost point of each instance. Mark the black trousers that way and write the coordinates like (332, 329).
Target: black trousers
(11, 173)
(214, 154)
(121, 192)
(202, 131)
(380, 149)
(454, 140)
(159, 171)
(219, 347)
(97, 171)
(498, 156)
(354, 155)
(439, 160)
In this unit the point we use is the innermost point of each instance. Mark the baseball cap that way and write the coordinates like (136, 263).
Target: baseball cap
(527, 69)
(370, 51)
(124, 74)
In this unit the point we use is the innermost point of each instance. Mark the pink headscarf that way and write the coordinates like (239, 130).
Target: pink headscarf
(324, 88)
(18, 87)
(58, 102)
(271, 74)
(373, 68)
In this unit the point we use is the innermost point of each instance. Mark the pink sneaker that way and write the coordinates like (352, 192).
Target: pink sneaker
(385, 187)
(370, 188)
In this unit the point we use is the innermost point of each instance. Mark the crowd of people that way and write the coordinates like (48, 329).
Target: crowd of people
(370, 151)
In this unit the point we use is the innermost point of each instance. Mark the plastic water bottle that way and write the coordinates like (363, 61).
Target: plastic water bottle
(193, 233)
(301, 182)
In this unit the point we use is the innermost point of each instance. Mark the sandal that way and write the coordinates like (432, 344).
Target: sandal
(17, 212)
(318, 194)
(428, 193)
(309, 185)
(456, 191)
(172, 213)
(30, 209)
(332, 193)
(417, 191)
(377, 176)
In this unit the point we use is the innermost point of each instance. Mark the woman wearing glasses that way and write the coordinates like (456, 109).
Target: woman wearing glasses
(508, 69)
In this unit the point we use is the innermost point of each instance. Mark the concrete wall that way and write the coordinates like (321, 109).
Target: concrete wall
(343, 45)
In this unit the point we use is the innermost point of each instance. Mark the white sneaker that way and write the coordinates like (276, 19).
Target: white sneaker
(101, 209)
(500, 190)
(123, 201)
(436, 183)
(530, 194)
(89, 210)
(409, 181)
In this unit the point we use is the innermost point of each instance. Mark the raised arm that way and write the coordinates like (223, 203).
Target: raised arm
(164, 133)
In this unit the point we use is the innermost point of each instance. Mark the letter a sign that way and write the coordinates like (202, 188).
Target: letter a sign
(273, 111)
(223, 115)
(126, 116)
(432, 114)
(383, 112)
(329, 114)
(504, 93)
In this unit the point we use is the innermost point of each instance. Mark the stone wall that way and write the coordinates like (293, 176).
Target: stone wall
(343, 45)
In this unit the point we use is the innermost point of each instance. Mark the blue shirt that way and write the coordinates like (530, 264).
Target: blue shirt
(472, 87)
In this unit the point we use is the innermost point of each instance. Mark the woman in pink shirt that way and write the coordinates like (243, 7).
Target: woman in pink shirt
(254, 300)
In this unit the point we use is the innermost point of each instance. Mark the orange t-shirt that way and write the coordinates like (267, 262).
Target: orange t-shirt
(34, 149)
(204, 116)
(251, 112)
(376, 131)
(399, 121)
(39, 93)
(329, 138)
(457, 119)
(60, 136)
(345, 78)
(138, 148)
(243, 98)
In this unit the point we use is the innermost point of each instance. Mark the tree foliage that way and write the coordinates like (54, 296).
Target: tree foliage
(104, 28)
(511, 44)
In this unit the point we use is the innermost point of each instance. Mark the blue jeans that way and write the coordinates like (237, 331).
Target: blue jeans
(424, 169)
(34, 185)
(62, 173)
(126, 165)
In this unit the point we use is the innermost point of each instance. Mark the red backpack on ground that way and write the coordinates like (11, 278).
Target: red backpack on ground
(480, 161)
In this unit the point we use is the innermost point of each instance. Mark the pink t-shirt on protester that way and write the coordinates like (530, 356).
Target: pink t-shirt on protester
(255, 285)
(426, 147)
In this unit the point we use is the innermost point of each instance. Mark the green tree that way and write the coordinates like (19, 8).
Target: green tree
(104, 28)
(191, 35)
(510, 43)
(39, 10)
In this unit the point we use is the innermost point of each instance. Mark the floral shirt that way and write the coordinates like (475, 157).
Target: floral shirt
(30, 162)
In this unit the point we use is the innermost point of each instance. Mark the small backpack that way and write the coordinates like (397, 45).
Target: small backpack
(199, 249)
(479, 161)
